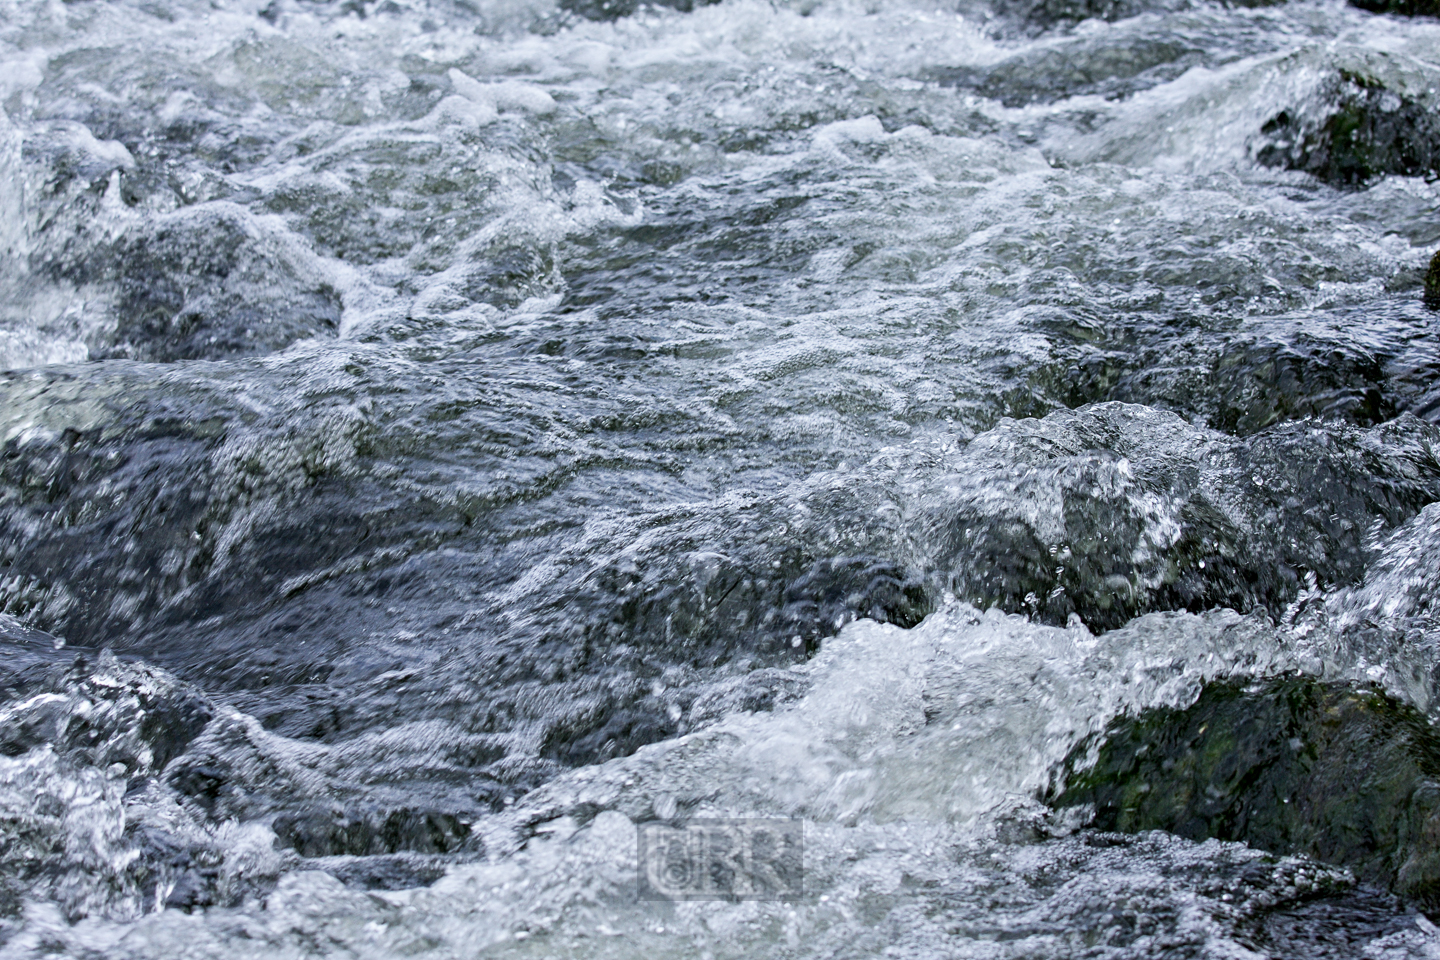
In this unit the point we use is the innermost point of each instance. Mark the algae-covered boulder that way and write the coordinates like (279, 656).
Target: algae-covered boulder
(1358, 126)
(1347, 775)
(1432, 283)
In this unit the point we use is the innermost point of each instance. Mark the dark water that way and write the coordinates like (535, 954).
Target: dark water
(416, 409)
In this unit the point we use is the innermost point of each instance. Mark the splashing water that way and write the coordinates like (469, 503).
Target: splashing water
(440, 436)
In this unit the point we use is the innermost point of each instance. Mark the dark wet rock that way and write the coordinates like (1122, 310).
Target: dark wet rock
(11, 904)
(102, 744)
(615, 9)
(208, 284)
(835, 591)
(1262, 382)
(1347, 775)
(1112, 510)
(1405, 8)
(191, 889)
(1362, 364)
(205, 783)
(154, 552)
(177, 873)
(183, 278)
(1114, 70)
(80, 601)
(702, 607)
(279, 537)
(399, 871)
(610, 730)
(738, 605)
(235, 770)
(1254, 382)
(335, 831)
(1022, 821)
(251, 559)
(786, 602)
(1357, 128)
(185, 866)
(1337, 926)
(108, 712)
(308, 792)
(91, 840)
(1432, 283)
(84, 733)
(1363, 923)
(1043, 14)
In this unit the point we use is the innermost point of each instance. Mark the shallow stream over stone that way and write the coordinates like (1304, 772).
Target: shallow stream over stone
(437, 436)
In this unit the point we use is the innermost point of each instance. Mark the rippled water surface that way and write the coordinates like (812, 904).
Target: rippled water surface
(439, 435)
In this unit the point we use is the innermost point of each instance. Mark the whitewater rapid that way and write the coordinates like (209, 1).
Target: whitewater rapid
(441, 435)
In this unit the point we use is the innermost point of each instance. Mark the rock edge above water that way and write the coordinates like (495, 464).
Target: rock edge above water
(1345, 774)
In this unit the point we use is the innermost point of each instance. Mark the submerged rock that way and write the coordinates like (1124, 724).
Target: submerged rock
(1115, 510)
(1082, 66)
(394, 871)
(1406, 8)
(333, 831)
(208, 284)
(84, 744)
(1047, 14)
(1349, 776)
(1044, 14)
(157, 260)
(1363, 364)
(128, 719)
(1359, 128)
(615, 9)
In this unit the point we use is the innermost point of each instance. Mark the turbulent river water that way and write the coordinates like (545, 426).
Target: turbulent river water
(441, 435)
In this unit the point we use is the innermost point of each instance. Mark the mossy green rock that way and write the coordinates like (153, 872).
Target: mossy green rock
(1346, 775)
(1365, 130)
(1432, 283)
